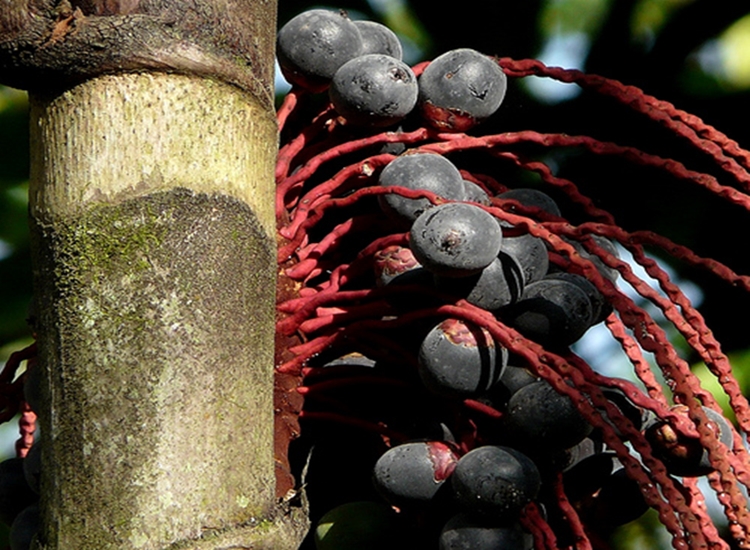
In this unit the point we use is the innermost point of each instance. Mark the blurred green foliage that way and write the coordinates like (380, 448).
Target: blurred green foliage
(15, 270)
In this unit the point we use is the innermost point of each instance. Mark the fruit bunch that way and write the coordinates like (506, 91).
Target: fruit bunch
(428, 304)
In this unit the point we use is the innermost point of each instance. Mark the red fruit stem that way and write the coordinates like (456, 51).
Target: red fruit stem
(703, 136)
(305, 171)
(289, 151)
(353, 319)
(570, 515)
(630, 154)
(288, 106)
(26, 429)
(483, 408)
(698, 504)
(641, 367)
(534, 523)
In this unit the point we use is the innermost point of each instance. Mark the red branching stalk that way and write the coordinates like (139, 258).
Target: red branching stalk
(544, 537)
(342, 313)
(698, 504)
(26, 429)
(571, 516)
(703, 136)
(641, 367)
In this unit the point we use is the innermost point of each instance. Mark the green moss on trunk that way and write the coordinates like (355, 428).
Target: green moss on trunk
(158, 366)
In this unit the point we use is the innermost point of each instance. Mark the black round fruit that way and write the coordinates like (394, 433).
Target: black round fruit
(377, 38)
(459, 360)
(312, 46)
(455, 239)
(373, 90)
(419, 171)
(460, 88)
(463, 532)
(495, 481)
(552, 312)
(411, 473)
(540, 418)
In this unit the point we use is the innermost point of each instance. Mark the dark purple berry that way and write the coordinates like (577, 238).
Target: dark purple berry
(551, 312)
(619, 501)
(377, 38)
(464, 532)
(682, 455)
(511, 380)
(419, 171)
(540, 418)
(412, 473)
(637, 416)
(455, 239)
(475, 193)
(495, 481)
(460, 89)
(313, 45)
(459, 360)
(373, 90)
(392, 261)
(601, 307)
(586, 476)
(609, 247)
(497, 285)
(532, 197)
(531, 253)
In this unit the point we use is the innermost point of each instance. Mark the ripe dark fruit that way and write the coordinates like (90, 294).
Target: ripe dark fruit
(458, 360)
(461, 88)
(540, 418)
(455, 239)
(601, 307)
(685, 456)
(474, 193)
(553, 312)
(531, 253)
(373, 90)
(528, 196)
(513, 379)
(411, 474)
(584, 478)
(419, 171)
(609, 247)
(377, 38)
(314, 44)
(463, 532)
(495, 481)
(637, 416)
(497, 285)
(618, 502)
(392, 262)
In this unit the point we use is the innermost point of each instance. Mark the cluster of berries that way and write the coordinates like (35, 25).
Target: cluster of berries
(481, 451)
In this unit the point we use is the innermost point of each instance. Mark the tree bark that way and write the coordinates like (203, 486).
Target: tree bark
(151, 200)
